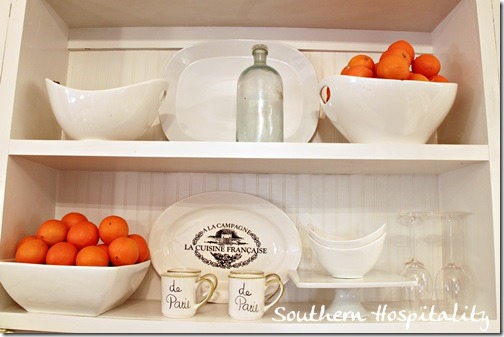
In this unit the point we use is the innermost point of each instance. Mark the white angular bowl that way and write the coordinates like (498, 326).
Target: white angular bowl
(339, 242)
(71, 290)
(348, 263)
(375, 110)
(123, 113)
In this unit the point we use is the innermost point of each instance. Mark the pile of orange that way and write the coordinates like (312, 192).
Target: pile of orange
(74, 240)
(398, 62)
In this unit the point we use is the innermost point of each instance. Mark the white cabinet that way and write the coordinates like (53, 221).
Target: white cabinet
(327, 182)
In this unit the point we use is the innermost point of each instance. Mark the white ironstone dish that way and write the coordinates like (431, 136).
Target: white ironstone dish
(217, 232)
(339, 242)
(70, 290)
(123, 113)
(201, 102)
(348, 263)
(375, 110)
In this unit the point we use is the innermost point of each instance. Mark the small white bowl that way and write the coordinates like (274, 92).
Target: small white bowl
(375, 110)
(123, 113)
(339, 242)
(348, 263)
(71, 290)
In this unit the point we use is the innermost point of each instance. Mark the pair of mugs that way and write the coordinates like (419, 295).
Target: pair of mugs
(183, 292)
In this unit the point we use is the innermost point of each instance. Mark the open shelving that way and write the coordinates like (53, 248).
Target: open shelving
(328, 182)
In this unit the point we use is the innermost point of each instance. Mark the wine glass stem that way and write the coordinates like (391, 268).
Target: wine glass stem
(450, 237)
(413, 237)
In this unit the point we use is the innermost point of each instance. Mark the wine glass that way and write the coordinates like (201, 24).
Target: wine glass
(416, 298)
(452, 281)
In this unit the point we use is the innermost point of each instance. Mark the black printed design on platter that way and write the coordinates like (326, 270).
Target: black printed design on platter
(226, 245)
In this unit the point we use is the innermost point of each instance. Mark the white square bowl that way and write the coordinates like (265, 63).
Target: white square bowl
(71, 290)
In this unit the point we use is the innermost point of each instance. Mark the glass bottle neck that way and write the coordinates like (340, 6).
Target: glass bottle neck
(260, 56)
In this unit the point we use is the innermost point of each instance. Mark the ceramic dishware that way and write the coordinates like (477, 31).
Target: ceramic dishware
(247, 294)
(70, 290)
(340, 242)
(348, 263)
(122, 113)
(179, 291)
(376, 110)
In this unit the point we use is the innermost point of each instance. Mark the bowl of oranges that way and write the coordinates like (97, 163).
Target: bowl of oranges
(72, 266)
(401, 98)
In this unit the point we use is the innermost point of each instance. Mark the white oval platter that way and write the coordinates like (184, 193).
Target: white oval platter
(222, 231)
(201, 100)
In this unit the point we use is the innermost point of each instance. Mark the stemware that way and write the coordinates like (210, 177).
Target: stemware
(452, 281)
(415, 298)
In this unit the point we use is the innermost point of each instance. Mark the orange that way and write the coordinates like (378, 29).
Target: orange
(123, 251)
(427, 65)
(438, 78)
(52, 232)
(362, 60)
(24, 239)
(92, 256)
(104, 247)
(398, 52)
(404, 45)
(113, 227)
(393, 67)
(32, 251)
(143, 247)
(72, 218)
(360, 71)
(62, 253)
(345, 70)
(417, 77)
(83, 234)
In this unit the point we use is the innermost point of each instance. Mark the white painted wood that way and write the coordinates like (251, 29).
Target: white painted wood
(488, 20)
(313, 39)
(47, 35)
(250, 157)
(214, 317)
(5, 8)
(421, 16)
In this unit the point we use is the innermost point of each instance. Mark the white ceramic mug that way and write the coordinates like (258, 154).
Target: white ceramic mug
(201, 291)
(179, 289)
(247, 294)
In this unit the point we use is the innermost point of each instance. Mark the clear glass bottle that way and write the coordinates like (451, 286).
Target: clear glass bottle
(259, 108)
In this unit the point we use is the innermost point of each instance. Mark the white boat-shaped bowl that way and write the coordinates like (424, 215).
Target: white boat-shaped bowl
(123, 113)
(339, 242)
(348, 263)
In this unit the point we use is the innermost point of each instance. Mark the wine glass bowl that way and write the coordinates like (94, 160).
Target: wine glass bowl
(416, 298)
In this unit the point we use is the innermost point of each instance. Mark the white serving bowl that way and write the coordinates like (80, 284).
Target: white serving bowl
(123, 113)
(72, 290)
(348, 263)
(339, 242)
(375, 110)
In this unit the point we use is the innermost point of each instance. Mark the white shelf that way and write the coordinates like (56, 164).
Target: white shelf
(322, 280)
(144, 316)
(307, 158)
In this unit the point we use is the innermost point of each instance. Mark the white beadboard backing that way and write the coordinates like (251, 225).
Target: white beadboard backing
(343, 204)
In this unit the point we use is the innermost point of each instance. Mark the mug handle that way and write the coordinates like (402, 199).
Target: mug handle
(268, 278)
(213, 284)
(272, 280)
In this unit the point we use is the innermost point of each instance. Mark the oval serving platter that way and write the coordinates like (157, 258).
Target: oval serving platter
(201, 99)
(222, 231)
